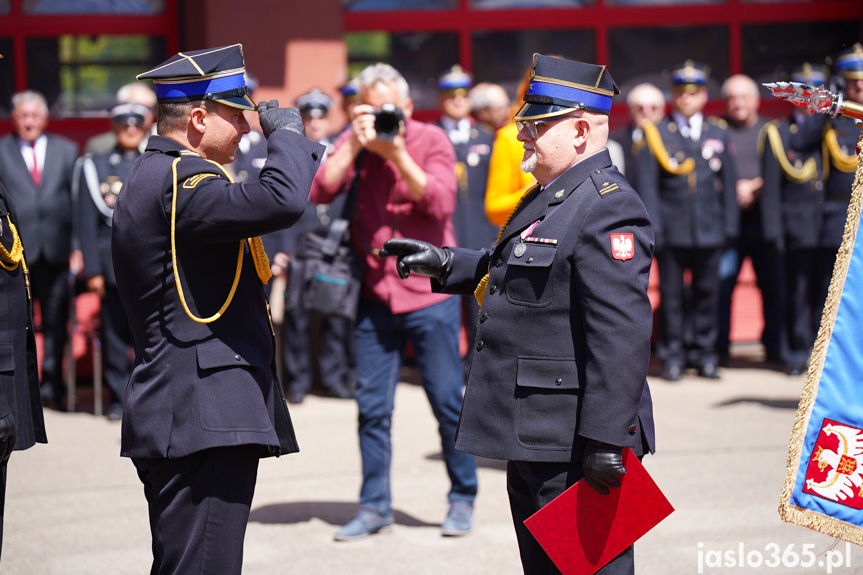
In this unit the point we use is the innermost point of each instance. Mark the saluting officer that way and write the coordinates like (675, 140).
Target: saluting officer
(203, 403)
(793, 183)
(688, 184)
(836, 139)
(558, 383)
(472, 143)
(99, 179)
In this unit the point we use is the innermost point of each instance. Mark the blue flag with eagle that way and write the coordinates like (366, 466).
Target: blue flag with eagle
(823, 487)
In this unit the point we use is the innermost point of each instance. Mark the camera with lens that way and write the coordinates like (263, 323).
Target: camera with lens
(388, 119)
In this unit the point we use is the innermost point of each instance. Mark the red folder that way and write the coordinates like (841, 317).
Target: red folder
(582, 530)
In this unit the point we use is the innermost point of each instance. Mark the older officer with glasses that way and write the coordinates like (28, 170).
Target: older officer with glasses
(558, 383)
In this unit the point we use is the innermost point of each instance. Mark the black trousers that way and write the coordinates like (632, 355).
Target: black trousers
(674, 349)
(531, 486)
(50, 285)
(312, 342)
(199, 506)
(116, 341)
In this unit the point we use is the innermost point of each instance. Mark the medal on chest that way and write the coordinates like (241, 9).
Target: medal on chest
(110, 189)
(520, 248)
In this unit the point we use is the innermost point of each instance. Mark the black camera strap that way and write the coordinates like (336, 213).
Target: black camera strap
(340, 227)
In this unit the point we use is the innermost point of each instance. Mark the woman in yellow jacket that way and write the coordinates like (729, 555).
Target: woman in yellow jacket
(506, 182)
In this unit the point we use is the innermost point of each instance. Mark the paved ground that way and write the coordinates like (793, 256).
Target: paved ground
(75, 507)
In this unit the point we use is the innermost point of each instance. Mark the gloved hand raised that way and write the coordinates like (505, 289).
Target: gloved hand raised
(419, 257)
(273, 118)
(8, 436)
(602, 465)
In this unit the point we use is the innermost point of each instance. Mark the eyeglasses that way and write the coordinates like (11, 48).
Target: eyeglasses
(531, 125)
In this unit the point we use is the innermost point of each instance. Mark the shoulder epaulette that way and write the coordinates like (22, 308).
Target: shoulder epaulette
(656, 145)
(604, 183)
(719, 122)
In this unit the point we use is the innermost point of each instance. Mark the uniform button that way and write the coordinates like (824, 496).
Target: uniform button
(498, 263)
(492, 289)
(483, 316)
(479, 345)
(632, 429)
(237, 357)
(529, 260)
(558, 381)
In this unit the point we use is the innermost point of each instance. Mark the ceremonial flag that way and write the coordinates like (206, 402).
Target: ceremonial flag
(823, 487)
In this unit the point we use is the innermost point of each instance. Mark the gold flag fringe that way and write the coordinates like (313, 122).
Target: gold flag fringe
(788, 512)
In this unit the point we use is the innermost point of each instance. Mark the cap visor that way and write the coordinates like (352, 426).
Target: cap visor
(242, 102)
(530, 111)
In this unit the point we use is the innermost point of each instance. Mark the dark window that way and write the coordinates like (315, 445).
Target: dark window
(79, 75)
(638, 55)
(93, 6)
(360, 5)
(771, 49)
(504, 57)
(419, 57)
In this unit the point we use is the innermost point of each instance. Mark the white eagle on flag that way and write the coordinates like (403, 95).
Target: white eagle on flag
(845, 480)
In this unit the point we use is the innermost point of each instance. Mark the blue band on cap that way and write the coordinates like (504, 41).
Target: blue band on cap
(689, 76)
(853, 62)
(589, 99)
(200, 87)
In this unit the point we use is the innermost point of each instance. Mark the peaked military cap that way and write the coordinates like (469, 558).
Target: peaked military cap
(808, 74)
(212, 74)
(129, 114)
(455, 80)
(314, 103)
(849, 62)
(349, 91)
(558, 86)
(690, 73)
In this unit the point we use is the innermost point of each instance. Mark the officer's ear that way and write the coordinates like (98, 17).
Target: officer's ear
(582, 132)
(198, 119)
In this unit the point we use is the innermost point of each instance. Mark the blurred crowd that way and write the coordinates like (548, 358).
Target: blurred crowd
(719, 190)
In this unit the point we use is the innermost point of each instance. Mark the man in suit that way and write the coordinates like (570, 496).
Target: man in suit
(645, 102)
(203, 403)
(687, 181)
(558, 385)
(37, 169)
(21, 421)
(473, 144)
(99, 180)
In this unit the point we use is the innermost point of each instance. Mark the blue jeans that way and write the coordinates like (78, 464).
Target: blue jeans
(381, 340)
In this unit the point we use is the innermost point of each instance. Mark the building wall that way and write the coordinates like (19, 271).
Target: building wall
(290, 47)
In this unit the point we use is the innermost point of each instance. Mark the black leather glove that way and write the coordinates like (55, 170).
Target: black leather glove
(419, 257)
(8, 436)
(603, 465)
(274, 118)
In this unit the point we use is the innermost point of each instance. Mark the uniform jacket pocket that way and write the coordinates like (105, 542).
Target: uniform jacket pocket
(547, 396)
(528, 274)
(231, 386)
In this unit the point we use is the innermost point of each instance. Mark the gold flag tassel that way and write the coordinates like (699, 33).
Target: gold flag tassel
(654, 142)
(479, 292)
(262, 262)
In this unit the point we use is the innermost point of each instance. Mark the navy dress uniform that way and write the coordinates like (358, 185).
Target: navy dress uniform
(688, 184)
(563, 342)
(203, 403)
(100, 179)
(20, 404)
(836, 139)
(793, 183)
(473, 144)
